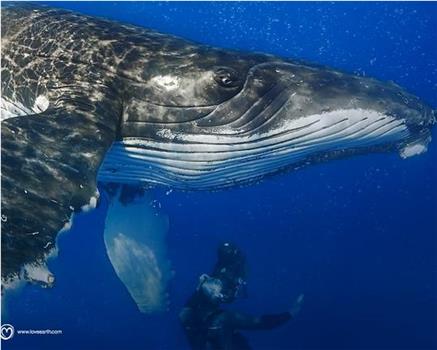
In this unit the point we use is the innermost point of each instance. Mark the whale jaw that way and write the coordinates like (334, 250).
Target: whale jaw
(211, 161)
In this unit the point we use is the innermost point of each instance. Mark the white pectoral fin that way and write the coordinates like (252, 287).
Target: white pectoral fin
(135, 233)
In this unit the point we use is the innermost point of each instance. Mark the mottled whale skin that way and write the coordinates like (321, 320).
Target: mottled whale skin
(87, 99)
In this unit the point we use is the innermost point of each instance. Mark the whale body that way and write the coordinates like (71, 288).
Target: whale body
(87, 100)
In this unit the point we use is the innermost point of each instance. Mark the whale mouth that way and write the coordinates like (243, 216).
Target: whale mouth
(213, 161)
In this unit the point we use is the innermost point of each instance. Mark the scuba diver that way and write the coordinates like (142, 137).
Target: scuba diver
(207, 325)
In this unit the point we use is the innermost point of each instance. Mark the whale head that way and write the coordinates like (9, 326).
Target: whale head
(211, 118)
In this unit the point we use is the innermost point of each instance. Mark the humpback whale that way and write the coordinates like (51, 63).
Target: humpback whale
(87, 100)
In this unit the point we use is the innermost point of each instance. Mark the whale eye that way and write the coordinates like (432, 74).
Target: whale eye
(226, 77)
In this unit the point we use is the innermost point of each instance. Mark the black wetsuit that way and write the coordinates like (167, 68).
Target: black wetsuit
(207, 326)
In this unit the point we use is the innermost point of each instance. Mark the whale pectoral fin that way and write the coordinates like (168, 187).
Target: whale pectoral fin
(135, 232)
(49, 166)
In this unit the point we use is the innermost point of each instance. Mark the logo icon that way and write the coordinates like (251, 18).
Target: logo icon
(7, 331)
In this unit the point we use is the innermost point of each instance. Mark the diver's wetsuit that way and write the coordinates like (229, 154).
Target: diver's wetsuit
(207, 326)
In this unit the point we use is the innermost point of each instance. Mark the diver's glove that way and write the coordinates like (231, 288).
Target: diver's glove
(297, 306)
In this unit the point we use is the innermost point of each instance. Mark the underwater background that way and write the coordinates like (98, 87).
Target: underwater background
(358, 236)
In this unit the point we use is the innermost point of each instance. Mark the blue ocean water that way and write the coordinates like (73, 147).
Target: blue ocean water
(358, 237)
